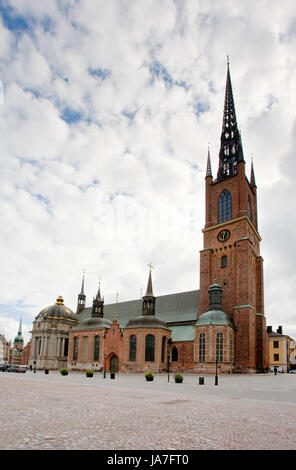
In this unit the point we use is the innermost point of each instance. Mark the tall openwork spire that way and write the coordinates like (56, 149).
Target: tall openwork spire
(231, 150)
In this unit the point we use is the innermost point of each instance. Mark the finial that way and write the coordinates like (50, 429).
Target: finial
(150, 265)
(227, 60)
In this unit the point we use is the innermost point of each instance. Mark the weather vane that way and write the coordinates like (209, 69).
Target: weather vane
(150, 265)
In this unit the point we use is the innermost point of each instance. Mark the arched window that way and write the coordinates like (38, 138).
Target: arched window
(202, 347)
(249, 208)
(163, 349)
(132, 348)
(219, 347)
(96, 348)
(174, 354)
(149, 348)
(75, 348)
(224, 261)
(224, 209)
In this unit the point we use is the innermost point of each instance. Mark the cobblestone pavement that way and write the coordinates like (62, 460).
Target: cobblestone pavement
(51, 411)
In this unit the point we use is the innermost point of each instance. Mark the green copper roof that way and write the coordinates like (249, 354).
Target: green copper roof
(171, 308)
(213, 317)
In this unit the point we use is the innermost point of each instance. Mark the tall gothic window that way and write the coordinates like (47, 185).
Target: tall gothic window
(149, 348)
(249, 208)
(96, 348)
(219, 347)
(75, 348)
(224, 261)
(224, 209)
(202, 347)
(174, 354)
(132, 348)
(163, 349)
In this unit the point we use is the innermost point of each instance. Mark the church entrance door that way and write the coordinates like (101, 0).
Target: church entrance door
(114, 364)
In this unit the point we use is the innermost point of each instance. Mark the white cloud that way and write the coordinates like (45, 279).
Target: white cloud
(138, 140)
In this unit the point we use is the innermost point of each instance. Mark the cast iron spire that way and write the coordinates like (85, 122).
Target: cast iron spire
(231, 150)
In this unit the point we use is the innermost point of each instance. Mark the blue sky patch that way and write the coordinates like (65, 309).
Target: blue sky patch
(99, 72)
(71, 115)
(12, 21)
(159, 72)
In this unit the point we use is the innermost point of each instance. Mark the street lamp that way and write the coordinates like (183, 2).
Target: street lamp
(169, 356)
(216, 376)
(105, 355)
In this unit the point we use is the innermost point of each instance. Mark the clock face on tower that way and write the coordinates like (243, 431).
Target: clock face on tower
(224, 235)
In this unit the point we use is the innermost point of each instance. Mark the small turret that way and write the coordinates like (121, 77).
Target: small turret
(209, 168)
(252, 178)
(148, 305)
(98, 305)
(81, 298)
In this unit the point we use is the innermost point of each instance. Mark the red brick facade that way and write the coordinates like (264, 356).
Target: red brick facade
(231, 331)
(242, 276)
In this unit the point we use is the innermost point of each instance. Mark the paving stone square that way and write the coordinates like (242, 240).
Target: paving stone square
(73, 412)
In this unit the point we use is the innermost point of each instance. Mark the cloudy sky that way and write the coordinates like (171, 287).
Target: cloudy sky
(107, 110)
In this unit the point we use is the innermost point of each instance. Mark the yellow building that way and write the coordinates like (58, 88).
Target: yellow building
(280, 348)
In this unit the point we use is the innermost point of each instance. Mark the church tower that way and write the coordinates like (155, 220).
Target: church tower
(231, 252)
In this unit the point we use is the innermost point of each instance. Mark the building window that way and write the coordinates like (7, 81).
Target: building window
(174, 354)
(149, 348)
(219, 347)
(276, 357)
(275, 344)
(249, 208)
(163, 349)
(132, 348)
(96, 348)
(75, 348)
(66, 347)
(202, 347)
(224, 261)
(224, 210)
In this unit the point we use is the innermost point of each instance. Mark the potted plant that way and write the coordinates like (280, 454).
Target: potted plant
(89, 373)
(149, 376)
(178, 378)
(64, 371)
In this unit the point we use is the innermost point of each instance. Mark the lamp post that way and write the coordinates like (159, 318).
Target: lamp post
(216, 376)
(169, 366)
(105, 355)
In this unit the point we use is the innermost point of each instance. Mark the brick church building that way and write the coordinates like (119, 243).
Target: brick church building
(221, 322)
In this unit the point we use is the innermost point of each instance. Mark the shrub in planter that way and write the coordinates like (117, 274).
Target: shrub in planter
(64, 371)
(149, 376)
(89, 373)
(178, 378)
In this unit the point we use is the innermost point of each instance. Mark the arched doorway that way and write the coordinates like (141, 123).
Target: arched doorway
(114, 364)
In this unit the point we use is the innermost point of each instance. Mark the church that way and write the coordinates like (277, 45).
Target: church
(220, 325)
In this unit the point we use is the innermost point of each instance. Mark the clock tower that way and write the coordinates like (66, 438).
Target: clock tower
(231, 251)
